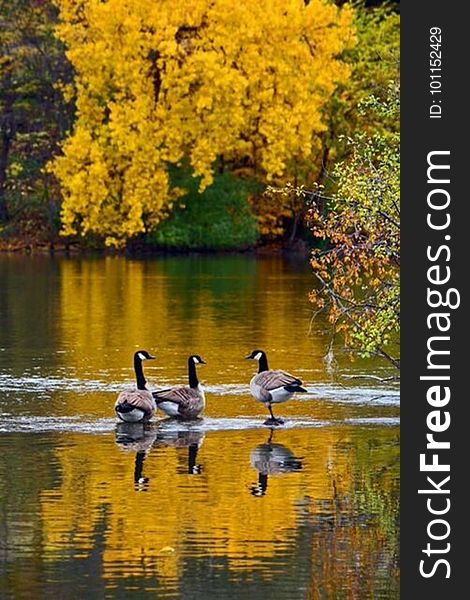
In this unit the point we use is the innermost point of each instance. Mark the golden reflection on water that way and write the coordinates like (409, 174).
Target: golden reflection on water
(294, 514)
(220, 309)
(153, 529)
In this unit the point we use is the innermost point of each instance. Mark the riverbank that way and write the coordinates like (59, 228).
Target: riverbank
(27, 246)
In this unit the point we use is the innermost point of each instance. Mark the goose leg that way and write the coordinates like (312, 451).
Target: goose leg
(272, 420)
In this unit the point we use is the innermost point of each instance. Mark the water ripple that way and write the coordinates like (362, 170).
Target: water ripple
(84, 424)
(324, 391)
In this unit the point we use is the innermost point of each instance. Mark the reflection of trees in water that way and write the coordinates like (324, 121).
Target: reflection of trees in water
(217, 298)
(29, 313)
(213, 282)
(351, 552)
(344, 545)
(327, 532)
(140, 438)
(354, 535)
(27, 468)
(271, 459)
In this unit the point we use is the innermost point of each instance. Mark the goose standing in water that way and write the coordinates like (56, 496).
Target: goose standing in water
(138, 405)
(271, 387)
(181, 401)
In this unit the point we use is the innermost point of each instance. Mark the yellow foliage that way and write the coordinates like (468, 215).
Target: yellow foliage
(160, 81)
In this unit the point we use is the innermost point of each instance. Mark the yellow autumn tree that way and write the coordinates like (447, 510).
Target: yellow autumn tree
(159, 82)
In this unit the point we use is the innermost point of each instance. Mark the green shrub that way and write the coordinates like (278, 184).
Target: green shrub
(218, 219)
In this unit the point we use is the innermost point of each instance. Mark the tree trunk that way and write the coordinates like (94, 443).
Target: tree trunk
(295, 226)
(321, 205)
(5, 143)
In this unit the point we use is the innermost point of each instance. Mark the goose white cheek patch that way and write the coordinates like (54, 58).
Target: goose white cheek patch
(258, 356)
(141, 356)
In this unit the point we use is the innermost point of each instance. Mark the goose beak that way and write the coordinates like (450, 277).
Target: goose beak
(151, 357)
(203, 362)
(248, 357)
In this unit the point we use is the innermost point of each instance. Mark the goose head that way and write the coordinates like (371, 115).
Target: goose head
(256, 355)
(143, 355)
(197, 360)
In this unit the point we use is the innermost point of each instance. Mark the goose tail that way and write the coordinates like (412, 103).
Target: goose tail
(124, 407)
(295, 388)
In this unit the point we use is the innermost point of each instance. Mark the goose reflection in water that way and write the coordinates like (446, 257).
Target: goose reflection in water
(272, 459)
(190, 439)
(138, 438)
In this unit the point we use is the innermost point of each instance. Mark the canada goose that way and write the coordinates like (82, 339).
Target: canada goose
(138, 405)
(271, 459)
(271, 387)
(181, 401)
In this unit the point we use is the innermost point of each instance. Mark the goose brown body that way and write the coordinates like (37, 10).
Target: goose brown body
(184, 402)
(272, 386)
(142, 401)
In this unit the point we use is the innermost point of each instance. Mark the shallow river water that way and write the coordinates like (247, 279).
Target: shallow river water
(221, 508)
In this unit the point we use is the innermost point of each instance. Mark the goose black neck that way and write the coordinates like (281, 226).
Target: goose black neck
(263, 482)
(193, 380)
(262, 363)
(139, 465)
(139, 374)
(192, 457)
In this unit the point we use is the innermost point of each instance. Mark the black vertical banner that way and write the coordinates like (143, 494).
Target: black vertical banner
(435, 239)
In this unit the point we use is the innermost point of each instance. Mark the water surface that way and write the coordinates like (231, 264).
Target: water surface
(221, 508)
